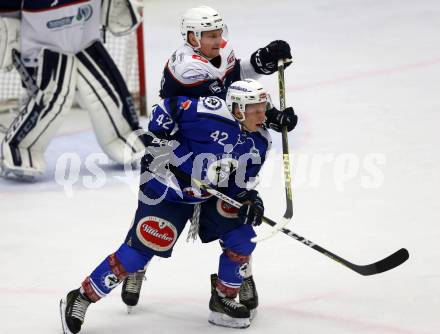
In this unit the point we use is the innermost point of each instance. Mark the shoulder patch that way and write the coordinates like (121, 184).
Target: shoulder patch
(185, 105)
(212, 103)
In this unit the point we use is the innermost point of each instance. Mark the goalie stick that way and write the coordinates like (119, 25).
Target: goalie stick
(388, 263)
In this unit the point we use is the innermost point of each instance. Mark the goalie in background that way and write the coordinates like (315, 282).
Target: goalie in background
(57, 48)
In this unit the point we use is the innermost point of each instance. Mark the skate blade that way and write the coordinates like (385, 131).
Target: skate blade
(253, 314)
(63, 317)
(221, 319)
(130, 309)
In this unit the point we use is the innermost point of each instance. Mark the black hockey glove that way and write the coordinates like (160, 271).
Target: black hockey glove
(265, 60)
(276, 119)
(252, 210)
(158, 152)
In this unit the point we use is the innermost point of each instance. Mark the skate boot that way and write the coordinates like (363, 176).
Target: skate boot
(248, 295)
(73, 310)
(225, 311)
(131, 289)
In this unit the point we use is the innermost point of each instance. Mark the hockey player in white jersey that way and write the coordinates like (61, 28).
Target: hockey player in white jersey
(60, 52)
(205, 65)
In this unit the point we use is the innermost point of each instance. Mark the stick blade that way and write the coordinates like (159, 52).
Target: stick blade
(388, 263)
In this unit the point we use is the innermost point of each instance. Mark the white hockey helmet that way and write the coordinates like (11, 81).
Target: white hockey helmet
(199, 19)
(242, 93)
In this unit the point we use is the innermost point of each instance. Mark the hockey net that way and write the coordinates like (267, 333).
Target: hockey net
(128, 54)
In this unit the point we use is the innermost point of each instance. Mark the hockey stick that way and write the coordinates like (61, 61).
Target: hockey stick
(26, 78)
(286, 158)
(286, 163)
(378, 267)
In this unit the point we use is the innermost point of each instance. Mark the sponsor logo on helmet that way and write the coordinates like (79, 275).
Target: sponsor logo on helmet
(156, 233)
(242, 89)
(212, 103)
(263, 96)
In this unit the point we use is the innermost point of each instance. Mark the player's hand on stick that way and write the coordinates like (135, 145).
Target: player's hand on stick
(252, 211)
(265, 60)
(276, 119)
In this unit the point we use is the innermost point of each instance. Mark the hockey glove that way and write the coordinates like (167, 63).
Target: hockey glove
(158, 152)
(265, 60)
(276, 119)
(252, 210)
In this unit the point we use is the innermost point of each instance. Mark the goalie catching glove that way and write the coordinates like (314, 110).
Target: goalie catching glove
(252, 210)
(276, 119)
(265, 60)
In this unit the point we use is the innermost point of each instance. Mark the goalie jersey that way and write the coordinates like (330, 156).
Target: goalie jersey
(66, 26)
(189, 73)
(213, 144)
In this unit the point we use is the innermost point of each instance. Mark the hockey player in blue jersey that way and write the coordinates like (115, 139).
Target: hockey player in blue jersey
(223, 143)
(205, 65)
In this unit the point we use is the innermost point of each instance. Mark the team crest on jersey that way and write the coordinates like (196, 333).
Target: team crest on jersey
(156, 233)
(226, 210)
(219, 171)
(185, 105)
(212, 103)
(200, 58)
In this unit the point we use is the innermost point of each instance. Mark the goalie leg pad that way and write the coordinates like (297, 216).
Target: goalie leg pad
(113, 270)
(28, 136)
(104, 93)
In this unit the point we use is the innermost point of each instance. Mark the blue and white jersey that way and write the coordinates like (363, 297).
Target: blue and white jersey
(219, 151)
(189, 73)
(66, 26)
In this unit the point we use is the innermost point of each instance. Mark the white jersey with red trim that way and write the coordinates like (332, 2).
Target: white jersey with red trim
(190, 67)
(59, 25)
(189, 73)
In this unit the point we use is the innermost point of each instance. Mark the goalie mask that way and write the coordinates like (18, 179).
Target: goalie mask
(200, 19)
(242, 93)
